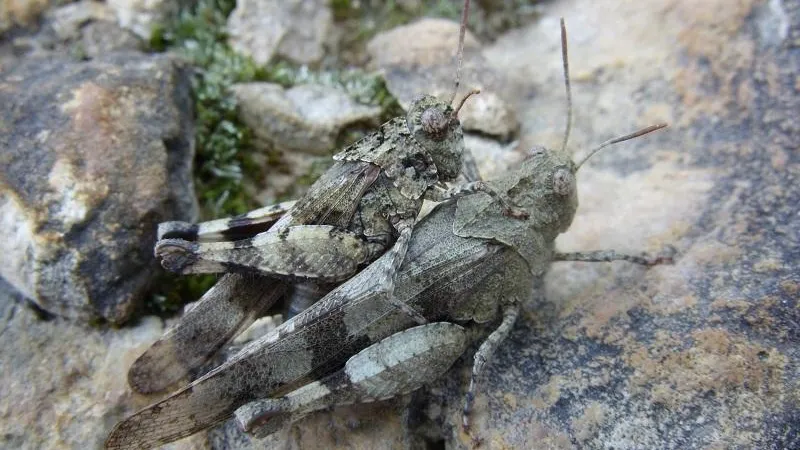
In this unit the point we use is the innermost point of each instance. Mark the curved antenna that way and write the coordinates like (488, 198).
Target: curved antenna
(565, 60)
(616, 140)
(463, 100)
(460, 53)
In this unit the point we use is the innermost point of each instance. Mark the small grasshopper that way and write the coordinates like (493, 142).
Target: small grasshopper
(467, 261)
(364, 205)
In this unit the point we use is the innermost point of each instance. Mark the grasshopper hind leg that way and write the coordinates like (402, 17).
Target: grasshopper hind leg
(484, 355)
(227, 229)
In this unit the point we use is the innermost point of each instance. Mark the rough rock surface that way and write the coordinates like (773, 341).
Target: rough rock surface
(419, 59)
(21, 13)
(64, 381)
(305, 118)
(92, 156)
(298, 30)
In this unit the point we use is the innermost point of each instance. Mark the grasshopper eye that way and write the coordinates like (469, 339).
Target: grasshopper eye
(434, 123)
(563, 182)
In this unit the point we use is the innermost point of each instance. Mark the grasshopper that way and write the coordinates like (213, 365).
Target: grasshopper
(365, 204)
(467, 262)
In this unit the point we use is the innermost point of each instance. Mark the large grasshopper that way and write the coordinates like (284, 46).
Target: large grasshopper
(467, 262)
(365, 204)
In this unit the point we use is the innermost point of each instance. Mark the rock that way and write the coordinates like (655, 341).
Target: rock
(87, 29)
(419, 59)
(143, 16)
(93, 156)
(100, 38)
(68, 20)
(66, 383)
(305, 118)
(700, 354)
(493, 158)
(21, 13)
(298, 30)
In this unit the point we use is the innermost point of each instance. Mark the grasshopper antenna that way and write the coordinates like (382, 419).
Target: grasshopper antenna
(616, 140)
(463, 100)
(565, 60)
(460, 53)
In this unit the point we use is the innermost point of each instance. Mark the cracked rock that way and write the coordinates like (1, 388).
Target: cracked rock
(92, 156)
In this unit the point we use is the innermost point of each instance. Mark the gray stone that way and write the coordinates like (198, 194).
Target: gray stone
(66, 383)
(142, 17)
(419, 59)
(305, 118)
(493, 158)
(92, 156)
(67, 20)
(298, 30)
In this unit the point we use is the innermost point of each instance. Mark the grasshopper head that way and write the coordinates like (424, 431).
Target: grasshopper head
(547, 189)
(435, 126)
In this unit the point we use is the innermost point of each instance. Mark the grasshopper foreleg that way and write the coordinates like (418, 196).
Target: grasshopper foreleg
(439, 194)
(388, 276)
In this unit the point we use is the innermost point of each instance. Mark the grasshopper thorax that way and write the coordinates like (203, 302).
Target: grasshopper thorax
(435, 127)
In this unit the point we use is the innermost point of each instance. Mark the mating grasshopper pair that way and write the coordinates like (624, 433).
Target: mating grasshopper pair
(466, 261)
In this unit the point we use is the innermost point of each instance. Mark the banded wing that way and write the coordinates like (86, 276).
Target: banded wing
(236, 301)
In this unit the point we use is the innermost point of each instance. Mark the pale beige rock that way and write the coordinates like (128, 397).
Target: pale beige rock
(305, 118)
(298, 30)
(94, 155)
(143, 16)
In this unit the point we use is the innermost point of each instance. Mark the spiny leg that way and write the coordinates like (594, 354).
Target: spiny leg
(319, 252)
(396, 365)
(397, 254)
(484, 354)
(664, 257)
(440, 194)
(227, 229)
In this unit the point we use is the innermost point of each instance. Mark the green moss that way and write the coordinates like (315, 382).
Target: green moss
(173, 291)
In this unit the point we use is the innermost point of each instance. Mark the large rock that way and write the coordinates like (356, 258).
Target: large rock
(298, 30)
(92, 156)
(144, 16)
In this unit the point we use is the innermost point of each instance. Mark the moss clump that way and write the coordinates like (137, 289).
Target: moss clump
(223, 141)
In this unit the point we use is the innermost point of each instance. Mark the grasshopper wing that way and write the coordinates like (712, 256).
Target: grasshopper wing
(229, 307)
(334, 197)
(237, 300)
